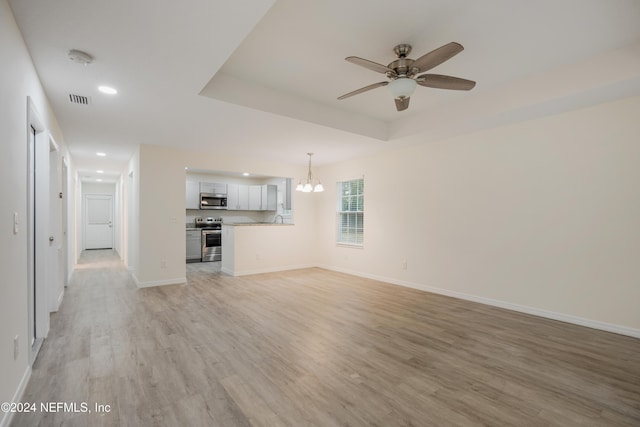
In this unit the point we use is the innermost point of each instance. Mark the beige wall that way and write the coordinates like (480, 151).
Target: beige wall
(18, 80)
(542, 216)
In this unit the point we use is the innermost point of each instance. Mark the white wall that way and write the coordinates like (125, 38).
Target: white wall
(18, 80)
(541, 216)
(161, 190)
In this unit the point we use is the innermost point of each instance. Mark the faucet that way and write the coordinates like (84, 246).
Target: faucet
(275, 219)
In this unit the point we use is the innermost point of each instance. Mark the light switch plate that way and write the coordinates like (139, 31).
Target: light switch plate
(16, 223)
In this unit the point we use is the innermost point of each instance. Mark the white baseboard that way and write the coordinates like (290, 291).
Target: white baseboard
(266, 270)
(562, 317)
(59, 300)
(227, 271)
(17, 397)
(152, 283)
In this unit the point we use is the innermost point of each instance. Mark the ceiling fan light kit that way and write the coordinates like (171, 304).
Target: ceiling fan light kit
(403, 73)
(402, 87)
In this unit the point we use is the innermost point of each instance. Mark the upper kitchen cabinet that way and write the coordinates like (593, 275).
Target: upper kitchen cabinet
(255, 197)
(237, 197)
(213, 188)
(193, 195)
(263, 197)
(250, 194)
(269, 197)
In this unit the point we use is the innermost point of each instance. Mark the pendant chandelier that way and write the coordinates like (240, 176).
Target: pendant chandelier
(308, 187)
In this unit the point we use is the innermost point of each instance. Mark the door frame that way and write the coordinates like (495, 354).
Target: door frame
(37, 230)
(85, 218)
(54, 255)
(66, 192)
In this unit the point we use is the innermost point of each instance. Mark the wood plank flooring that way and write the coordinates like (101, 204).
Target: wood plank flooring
(318, 348)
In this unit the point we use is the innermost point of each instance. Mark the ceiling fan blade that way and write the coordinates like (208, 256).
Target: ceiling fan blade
(374, 66)
(445, 82)
(363, 89)
(402, 103)
(438, 56)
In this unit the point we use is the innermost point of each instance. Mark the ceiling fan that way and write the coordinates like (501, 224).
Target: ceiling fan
(403, 73)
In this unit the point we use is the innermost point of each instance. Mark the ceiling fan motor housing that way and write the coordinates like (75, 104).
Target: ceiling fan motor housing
(403, 65)
(402, 50)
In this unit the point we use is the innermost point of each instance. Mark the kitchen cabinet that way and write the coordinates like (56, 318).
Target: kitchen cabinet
(237, 197)
(269, 197)
(255, 197)
(263, 197)
(213, 188)
(194, 245)
(240, 197)
(193, 195)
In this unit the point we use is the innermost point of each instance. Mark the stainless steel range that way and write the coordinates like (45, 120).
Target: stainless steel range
(211, 238)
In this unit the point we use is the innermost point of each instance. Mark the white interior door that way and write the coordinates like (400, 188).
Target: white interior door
(98, 219)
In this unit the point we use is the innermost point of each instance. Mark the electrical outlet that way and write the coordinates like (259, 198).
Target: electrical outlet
(16, 347)
(163, 264)
(404, 264)
(257, 257)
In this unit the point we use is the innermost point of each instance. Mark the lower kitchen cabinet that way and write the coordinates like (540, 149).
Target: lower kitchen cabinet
(194, 245)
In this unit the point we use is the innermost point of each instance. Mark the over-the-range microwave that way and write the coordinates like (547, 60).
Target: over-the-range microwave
(213, 201)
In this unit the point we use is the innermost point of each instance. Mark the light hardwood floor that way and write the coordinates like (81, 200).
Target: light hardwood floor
(318, 348)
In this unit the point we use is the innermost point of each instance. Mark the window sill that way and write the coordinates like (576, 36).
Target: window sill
(349, 245)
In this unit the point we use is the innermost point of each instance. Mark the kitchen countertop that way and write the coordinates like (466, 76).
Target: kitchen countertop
(242, 224)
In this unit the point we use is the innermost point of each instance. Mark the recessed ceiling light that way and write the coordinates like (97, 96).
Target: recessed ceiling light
(99, 171)
(101, 154)
(99, 180)
(245, 173)
(108, 90)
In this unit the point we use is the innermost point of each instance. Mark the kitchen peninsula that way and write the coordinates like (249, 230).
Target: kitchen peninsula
(251, 248)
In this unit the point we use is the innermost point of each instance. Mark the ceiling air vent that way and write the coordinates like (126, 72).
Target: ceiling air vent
(79, 99)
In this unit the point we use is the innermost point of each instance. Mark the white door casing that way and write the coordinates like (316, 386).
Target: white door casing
(54, 255)
(38, 203)
(98, 221)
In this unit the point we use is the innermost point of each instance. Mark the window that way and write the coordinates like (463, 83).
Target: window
(350, 213)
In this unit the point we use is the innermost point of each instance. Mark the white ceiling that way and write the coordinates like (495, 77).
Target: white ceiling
(250, 77)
